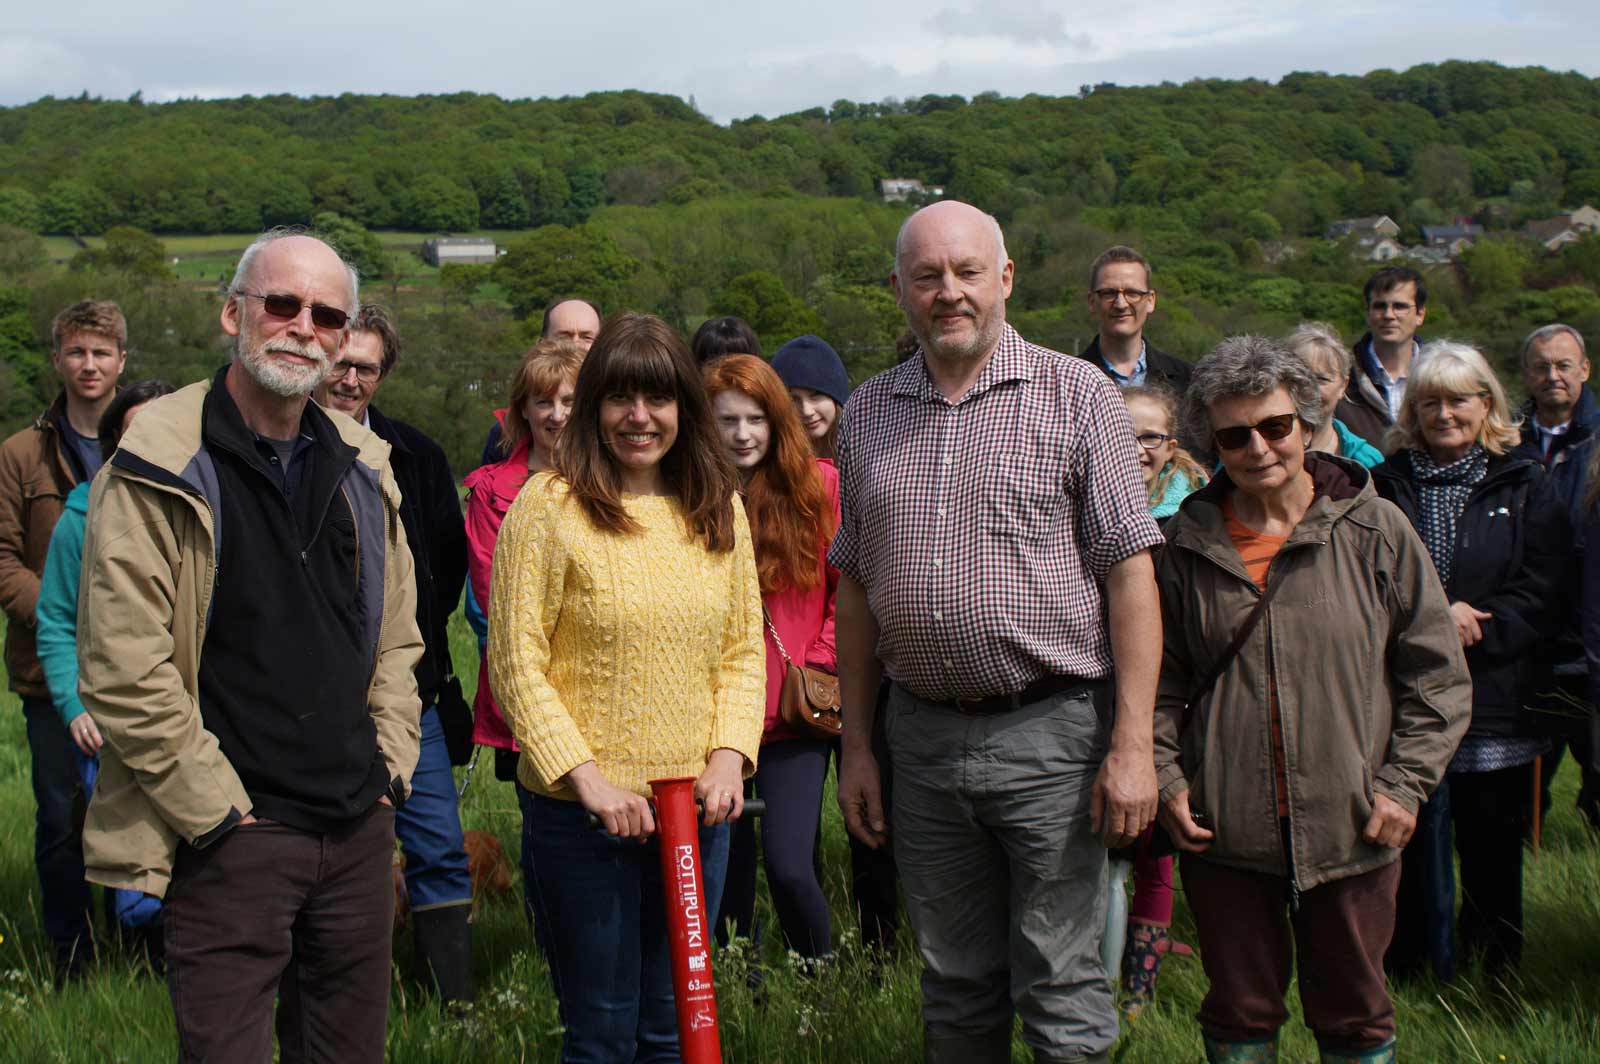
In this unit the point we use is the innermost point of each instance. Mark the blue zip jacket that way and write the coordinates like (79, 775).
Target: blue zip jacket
(57, 611)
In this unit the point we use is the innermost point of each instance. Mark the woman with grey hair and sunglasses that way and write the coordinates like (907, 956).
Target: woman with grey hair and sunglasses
(1312, 692)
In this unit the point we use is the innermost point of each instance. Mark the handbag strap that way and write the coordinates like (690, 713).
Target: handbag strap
(782, 653)
(1274, 581)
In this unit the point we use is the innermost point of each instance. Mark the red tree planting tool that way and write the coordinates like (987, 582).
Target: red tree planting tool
(677, 815)
(688, 918)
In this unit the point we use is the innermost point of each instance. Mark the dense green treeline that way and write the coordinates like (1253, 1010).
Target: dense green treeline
(1237, 160)
(641, 203)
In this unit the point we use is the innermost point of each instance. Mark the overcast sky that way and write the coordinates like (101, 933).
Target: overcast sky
(743, 57)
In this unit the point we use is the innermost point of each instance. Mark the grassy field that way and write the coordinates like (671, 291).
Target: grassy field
(204, 257)
(851, 1011)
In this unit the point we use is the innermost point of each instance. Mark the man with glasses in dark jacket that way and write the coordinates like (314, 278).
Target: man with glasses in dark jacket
(438, 884)
(1559, 422)
(1122, 299)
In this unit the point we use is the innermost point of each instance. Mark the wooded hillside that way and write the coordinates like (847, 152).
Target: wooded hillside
(641, 202)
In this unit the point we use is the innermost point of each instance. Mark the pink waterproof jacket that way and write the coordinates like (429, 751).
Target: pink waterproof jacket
(491, 489)
(804, 620)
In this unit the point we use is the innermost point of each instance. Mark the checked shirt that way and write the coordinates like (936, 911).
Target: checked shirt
(982, 529)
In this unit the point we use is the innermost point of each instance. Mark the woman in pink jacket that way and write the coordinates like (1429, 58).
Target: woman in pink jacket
(792, 499)
(541, 402)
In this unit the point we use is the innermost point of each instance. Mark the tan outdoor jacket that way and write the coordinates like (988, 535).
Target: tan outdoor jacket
(1371, 680)
(35, 479)
(148, 566)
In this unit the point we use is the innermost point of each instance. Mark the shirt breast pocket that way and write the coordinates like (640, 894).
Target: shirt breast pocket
(1022, 496)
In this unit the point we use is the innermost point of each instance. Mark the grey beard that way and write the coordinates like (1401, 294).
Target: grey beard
(280, 378)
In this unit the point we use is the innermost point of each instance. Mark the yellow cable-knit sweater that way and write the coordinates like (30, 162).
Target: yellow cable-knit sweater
(642, 652)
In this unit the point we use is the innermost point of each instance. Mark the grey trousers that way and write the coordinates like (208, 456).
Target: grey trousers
(1004, 878)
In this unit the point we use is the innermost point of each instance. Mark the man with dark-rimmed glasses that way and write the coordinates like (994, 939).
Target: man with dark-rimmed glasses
(1121, 300)
(246, 642)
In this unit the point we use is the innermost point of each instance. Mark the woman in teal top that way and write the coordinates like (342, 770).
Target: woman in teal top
(57, 614)
(1329, 359)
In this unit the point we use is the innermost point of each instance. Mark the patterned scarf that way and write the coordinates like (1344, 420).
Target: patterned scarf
(1442, 492)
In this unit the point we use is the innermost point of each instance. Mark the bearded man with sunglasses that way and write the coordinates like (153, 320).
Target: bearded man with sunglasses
(247, 641)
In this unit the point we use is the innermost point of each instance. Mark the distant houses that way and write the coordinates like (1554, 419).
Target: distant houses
(1379, 248)
(1373, 228)
(1552, 233)
(1450, 238)
(1377, 239)
(901, 189)
(462, 249)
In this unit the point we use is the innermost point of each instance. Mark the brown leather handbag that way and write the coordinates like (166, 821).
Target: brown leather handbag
(808, 702)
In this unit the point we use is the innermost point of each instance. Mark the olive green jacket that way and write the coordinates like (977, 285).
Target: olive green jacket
(1371, 681)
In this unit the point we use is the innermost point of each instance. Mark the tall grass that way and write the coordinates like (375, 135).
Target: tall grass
(847, 1010)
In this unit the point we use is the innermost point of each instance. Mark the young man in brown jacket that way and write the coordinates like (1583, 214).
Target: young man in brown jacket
(39, 466)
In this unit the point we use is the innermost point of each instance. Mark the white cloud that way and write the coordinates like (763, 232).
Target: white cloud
(1026, 24)
(738, 58)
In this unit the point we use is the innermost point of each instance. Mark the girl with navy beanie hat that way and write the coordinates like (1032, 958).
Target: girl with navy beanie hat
(818, 386)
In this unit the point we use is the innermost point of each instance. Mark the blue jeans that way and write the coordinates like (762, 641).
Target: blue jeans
(429, 827)
(1425, 905)
(57, 845)
(601, 921)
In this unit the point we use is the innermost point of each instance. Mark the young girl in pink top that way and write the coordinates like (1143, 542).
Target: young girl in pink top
(792, 500)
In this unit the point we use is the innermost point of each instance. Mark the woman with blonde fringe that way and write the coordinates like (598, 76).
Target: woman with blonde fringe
(1493, 531)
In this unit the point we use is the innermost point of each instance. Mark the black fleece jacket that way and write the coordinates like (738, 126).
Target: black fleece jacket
(285, 667)
(1507, 560)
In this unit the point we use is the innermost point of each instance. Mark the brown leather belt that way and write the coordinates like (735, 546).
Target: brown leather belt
(1036, 691)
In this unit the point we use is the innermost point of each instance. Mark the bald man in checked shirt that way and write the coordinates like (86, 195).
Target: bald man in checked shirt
(995, 557)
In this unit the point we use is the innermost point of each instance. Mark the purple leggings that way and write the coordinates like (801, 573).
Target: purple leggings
(789, 779)
(1152, 887)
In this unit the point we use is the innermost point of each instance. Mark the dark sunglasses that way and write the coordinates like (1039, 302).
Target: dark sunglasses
(1273, 428)
(287, 307)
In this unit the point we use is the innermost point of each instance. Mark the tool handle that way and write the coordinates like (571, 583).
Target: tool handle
(752, 807)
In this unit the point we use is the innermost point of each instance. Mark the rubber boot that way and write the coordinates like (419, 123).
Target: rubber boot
(1114, 940)
(443, 961)
(983, 1047)
(1263, 1051)
(1384, 1054)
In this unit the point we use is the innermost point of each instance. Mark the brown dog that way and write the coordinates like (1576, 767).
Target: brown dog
(486, 862)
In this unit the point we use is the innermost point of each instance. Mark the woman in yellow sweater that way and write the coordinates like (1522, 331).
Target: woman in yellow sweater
(625, 645)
